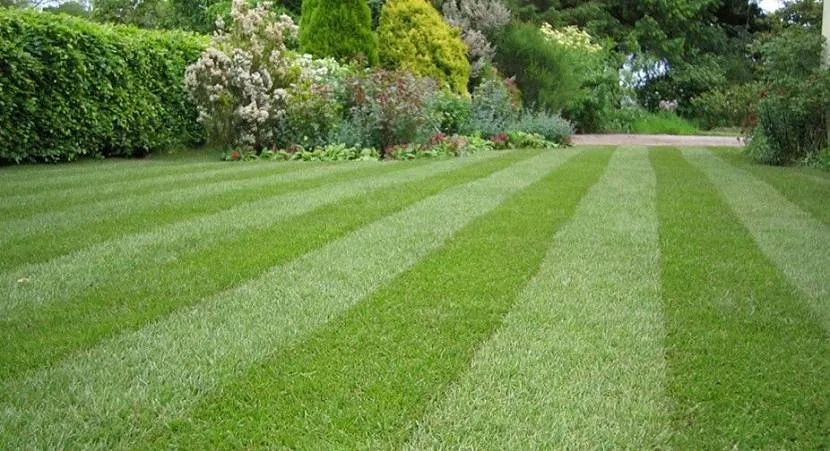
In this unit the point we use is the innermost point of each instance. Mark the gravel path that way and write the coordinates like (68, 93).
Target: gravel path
(657, 140)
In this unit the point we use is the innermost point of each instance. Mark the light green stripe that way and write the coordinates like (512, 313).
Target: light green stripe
(793, 239)
(68, 276)
(159, 372)
(89, 192)
(79, 215)
(22, 180)
(578, 363)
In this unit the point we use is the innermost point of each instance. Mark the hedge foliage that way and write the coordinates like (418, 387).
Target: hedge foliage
(341, 29)
(415, 37)
(69, 88)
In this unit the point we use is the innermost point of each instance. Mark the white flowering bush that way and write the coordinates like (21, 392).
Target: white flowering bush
(477, 20)
(239, 83)
(314, 100)
(571, 38)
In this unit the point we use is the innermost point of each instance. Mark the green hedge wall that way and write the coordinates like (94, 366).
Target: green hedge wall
(69, 87)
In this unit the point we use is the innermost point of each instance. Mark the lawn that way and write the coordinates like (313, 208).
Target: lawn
(572, 298)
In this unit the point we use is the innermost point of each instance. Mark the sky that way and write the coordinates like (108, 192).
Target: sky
(770, 5)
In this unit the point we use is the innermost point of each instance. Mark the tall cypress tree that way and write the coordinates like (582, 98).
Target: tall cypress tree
(341, 29)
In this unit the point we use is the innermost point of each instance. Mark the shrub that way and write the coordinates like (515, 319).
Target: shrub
(341, 29)
(493, 109)
(791, 125)
(314, 101)
(551, 127)
(449, 112)
(733, 106)
(387, 108)
(661, 123)
(70, 88)
(789, 129)
(542, 69)
(414, 37)
(479, 20)
(239, 82)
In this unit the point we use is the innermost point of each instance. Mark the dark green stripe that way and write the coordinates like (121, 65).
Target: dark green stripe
(749, 366)
(16, 181)
(368, 375)
(63, 239)
(63, 199)
(36, 336)
(798, 185)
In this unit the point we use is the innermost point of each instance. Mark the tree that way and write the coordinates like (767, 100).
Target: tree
(141, 13)
(341, 29)
(72, 8)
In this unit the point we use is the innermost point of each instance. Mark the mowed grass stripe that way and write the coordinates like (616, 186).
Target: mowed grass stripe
(71, 275)
(748, 363)
(18, 181)
(38, 336)
(797, 243)
(110, 395)
(38, 200)
(806, 187)
(47, 235)
(362, 380)
(578, 363)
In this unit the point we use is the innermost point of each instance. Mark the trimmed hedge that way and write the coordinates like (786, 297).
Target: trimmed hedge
(69, 87)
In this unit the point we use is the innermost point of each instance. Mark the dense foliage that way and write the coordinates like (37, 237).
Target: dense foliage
(480, 21)
(791, 117)
(70, 88)
(341, 29)
(414, 36)
(543, 71)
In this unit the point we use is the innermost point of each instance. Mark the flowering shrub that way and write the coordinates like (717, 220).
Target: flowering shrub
(669, 106)
(314, 101)
(571, 37)
(477, 20)
(238, 84)
(387, 108)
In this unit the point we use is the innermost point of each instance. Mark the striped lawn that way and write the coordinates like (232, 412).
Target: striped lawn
(115, 393)
(74, 274)
(792, 238)
(46, 235)
(37, 336)
(579, 361)
(38, 199)
(362, 380)
(581, 298)
(748, 362)
(806, 187)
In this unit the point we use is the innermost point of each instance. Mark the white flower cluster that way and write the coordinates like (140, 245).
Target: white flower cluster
(571, 37)
(668, 105)
(238, 84)
(477, 19)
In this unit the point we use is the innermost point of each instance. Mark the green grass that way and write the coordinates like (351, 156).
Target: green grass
(579, 361)
(362, 379)
(808, 188)
(575, 298)
(748, 363)
(663, 123)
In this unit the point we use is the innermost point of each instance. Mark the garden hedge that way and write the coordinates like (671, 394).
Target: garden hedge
(69, 87)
